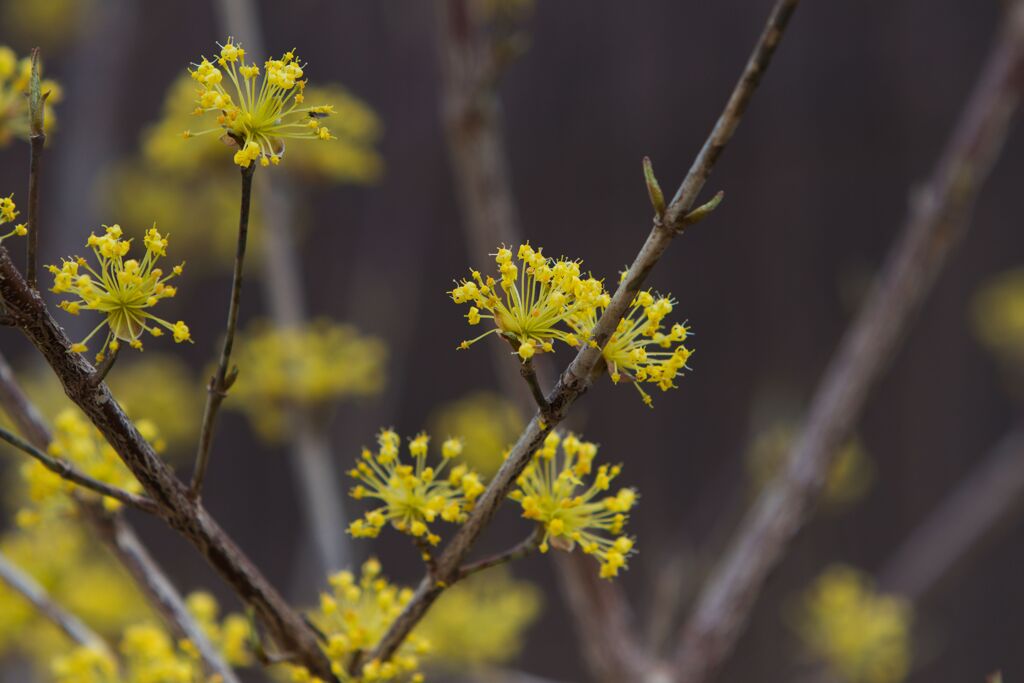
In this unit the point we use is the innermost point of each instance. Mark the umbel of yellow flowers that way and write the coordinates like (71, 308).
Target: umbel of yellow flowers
(412, 496)
(257, 113)
(551, 492)
(543, 301)
(8, 212)
(123, 290)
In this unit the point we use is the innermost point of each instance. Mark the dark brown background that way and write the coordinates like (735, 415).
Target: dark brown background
(851, 116)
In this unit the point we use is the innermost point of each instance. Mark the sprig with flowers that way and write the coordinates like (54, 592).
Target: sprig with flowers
(412, 496)
(123, 290)
(258, 114)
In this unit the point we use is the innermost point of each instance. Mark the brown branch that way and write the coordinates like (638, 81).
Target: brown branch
(986, 499)
(24, 585)
(529, 373)
(176, 505)
(117, 535)
(36, 141)
(938, 217)
(577, 377)
(520, 550)
(216, 390)
(66, 470)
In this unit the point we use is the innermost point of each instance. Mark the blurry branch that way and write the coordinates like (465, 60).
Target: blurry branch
(471, 61)
(36, 139)
(311, 458)
(117, 535)
(66, 470)
(937, 218)
(520, 550)
(24, 585)
(990, 496)
(217, 390)
(176, 504)
(576, 379)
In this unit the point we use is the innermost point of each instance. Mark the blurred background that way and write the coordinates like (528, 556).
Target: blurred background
(849, 121)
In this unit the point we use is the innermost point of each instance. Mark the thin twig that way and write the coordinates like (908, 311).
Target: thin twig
(529, 374)
(520, 550)
(426, 554)
(66, 470)
(36, 140)
(117, 535)
(937, 218)
(104, 368)
(987, 499)
(222, 379)
(577, 377)
(23, 584)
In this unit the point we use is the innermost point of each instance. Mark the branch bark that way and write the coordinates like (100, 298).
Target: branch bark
(117, 535)
(938, 217)
(176, 506)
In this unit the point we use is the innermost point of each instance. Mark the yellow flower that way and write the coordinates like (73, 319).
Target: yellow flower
(412, 496)
(847, 480)
(77, 441)
(999, 316)
(14, 82)
(862, 634)
(535, 301)
(487, 423)
(551, 492)
(8, 212)
(481, 620)
(640, 350)
(311, 366)
(257, 113)
(123, 290)
(231, 636)
(354, 616)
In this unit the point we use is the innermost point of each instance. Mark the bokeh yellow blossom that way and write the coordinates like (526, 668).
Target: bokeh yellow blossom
(312, 366)
(353, 616)
(78, 442)
(148, 655)
(640, 351)
(77, 574)
(122, 290)
(551, 492)
(481, 621)
(532, 303)
(412, 497)
(231, 636)
(998, 312)
(848, 478)
(14, 80)
(257, 113)
(863, 635)
(487, 423)
(49, 23)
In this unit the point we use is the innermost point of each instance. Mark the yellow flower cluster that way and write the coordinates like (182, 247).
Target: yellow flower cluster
(862, 634)
(487, 423)
(999, 316)
(542, 301)
(231, 636)
(640, 350)
(8, 212)
(412, 496)
(148, 655)
(550, 491)
(123, 290)
(847, 480)
(311, 366)
(481, 621)
(259, 115)
(78, 442)
(353, 617)
(77, 574)
(532, 302)
(14, 82)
